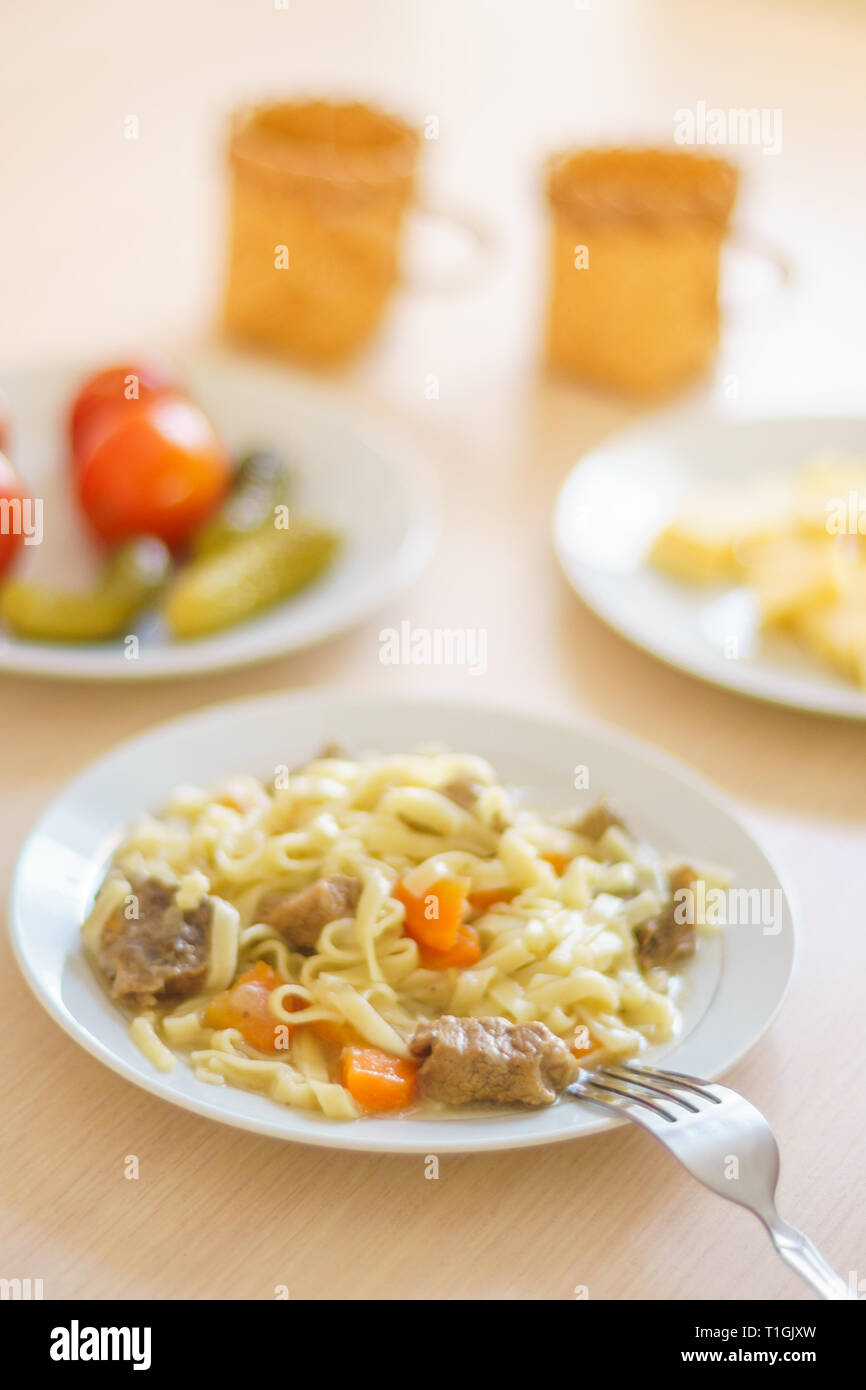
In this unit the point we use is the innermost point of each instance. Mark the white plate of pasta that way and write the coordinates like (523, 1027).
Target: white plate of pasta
(396, 924)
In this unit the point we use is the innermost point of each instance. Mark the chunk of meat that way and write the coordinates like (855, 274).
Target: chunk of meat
(598, 819)
(665, 940)
(463, 791)
(300, 917)
(681, 879)
(160, 952)
(331, 750)
(471, 1059)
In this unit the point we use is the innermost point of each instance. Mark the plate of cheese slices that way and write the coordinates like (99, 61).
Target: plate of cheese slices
(731, 548)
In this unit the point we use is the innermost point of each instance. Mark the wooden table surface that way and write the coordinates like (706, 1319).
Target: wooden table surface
(112, 245)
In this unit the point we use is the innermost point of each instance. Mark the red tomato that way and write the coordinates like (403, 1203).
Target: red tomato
(111, 390)
(158, 470)
(12, 496)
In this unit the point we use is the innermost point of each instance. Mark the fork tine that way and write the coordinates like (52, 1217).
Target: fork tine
(616, 1074)
(676, 1078)
(621, 1095)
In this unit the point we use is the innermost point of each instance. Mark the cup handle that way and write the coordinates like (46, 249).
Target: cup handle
(481, 244)
(751, 243)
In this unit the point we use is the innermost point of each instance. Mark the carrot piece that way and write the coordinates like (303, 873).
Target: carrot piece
(245, 1006)
(483, 898)
(330, 1031)
(581, 1048)
(466, 951)
(376, 1080)
(433, 919)
(559, 862)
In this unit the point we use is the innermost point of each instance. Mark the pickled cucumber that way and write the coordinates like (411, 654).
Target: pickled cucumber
(248, 576)
(132, 579)
(262, 482)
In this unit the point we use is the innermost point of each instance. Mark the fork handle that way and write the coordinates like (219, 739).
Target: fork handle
(799, 1252)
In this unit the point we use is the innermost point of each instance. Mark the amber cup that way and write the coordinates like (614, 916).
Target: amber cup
(636, 240)
(319, 197)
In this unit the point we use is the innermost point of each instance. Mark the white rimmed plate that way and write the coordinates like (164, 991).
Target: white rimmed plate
(731, 991)
(621, 494)
(367, 482)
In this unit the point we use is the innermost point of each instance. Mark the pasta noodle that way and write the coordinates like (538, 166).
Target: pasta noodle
(558, 946)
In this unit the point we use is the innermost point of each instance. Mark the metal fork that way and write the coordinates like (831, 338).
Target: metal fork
(721, 1139)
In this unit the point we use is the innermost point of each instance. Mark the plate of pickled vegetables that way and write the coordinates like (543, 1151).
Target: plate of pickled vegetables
(158, 520)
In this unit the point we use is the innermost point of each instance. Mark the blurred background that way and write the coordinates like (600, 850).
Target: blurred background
(110, 241)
